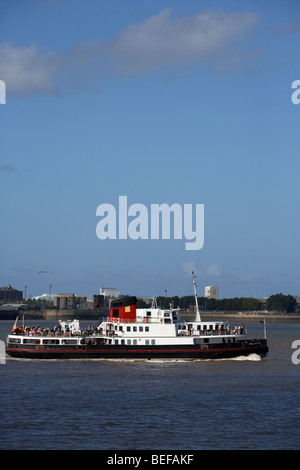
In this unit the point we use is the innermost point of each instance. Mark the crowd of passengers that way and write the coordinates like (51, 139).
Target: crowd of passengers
(55, 331)
(58, 331)
(207, 331)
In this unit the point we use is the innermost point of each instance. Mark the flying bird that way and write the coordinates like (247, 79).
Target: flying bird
(42, 272)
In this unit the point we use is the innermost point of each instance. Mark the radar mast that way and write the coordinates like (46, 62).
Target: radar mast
(197, 317)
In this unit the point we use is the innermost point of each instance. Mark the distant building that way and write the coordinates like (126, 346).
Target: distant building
(69, 301)
(211, 292)
(98, 301)
(64, 301)
(110, 292)
(10, 294)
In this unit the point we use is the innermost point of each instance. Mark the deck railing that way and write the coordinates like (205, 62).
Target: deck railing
(109, 329)
(231, 332)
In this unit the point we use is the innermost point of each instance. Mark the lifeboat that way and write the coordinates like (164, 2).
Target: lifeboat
(17, 331)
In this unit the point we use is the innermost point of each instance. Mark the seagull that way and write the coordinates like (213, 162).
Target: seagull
(42, 272)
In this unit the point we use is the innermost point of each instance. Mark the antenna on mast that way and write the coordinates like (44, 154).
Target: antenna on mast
(197, 317)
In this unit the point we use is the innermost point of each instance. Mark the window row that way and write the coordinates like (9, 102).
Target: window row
(201, 327)
(132, 328)
(134, 341)
(43, 341)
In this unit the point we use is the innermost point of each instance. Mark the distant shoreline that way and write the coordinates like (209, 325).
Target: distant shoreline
(97, 314)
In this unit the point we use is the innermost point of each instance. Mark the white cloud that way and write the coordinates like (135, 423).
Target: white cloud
(189, 266)
(26, 70)
(242, 275)
(162, 41)
(210, 270)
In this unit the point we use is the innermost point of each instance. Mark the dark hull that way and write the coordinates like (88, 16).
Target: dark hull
(211, 351)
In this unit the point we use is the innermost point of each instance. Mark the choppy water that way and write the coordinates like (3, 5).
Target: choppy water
(100, 404)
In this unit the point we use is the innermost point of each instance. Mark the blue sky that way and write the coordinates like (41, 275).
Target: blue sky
(165, 102)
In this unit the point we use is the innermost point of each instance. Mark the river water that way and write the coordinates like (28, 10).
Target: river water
(245, 403)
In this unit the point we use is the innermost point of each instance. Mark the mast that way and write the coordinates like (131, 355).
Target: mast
(197, 316)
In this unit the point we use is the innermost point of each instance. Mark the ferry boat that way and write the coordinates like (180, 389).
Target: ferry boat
(136, 333)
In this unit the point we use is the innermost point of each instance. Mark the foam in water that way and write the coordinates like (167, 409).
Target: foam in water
(251, 357)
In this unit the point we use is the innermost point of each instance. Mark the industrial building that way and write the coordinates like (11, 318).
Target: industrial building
(69, 301)
(110, 292)
(63, 301)
(212, 292)
(9, 294)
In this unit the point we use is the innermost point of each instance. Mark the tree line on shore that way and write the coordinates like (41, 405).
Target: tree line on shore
(276, 303)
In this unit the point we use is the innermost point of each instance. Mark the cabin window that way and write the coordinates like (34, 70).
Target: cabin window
(147, 341)
(140, 328)
(152, 341)
(64, 341)
(129, 341)
(128, 328)
(166, 314)
(56, 341)
(116, 341)
(206, 340)
(120, 328)
(122, 341)
(134, 328)
(14, 340)
(31, 341)
(146, 328)
(134, 341)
